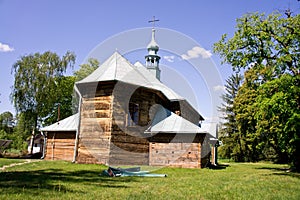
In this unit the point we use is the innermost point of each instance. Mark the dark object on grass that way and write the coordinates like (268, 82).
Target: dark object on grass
(136, 171)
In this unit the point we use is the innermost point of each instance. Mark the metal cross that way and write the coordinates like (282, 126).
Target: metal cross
(153, 21)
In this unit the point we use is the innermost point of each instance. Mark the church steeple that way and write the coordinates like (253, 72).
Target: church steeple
(152, 59)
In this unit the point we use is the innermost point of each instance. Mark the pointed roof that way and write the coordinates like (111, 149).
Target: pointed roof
(166, 121)
(67, 124)
(116, 67)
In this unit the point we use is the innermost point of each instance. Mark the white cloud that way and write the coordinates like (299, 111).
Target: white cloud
(196, 52)
(169, 58)
(219, 88)
(5, 48)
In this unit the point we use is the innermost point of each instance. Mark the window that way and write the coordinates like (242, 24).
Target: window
(133, 115)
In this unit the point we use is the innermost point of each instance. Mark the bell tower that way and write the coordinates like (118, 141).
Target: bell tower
(152, 59)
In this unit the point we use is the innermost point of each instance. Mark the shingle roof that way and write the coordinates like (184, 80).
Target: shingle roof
(67, 124)
(116, 67)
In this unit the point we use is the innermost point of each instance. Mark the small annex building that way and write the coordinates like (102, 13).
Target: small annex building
(60, 139)
(127, 116)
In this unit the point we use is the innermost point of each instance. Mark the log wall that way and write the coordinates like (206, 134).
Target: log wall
(186, 155)
(107, 137)
(95, 124)
(179, 150)
(129, 144)
(60, 146)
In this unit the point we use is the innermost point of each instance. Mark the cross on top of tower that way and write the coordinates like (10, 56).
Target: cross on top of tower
(153, 21)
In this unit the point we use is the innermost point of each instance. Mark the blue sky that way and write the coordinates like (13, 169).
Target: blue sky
(80, 26)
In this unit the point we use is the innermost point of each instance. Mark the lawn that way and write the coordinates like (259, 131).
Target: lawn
(64, 180)
(9, 161)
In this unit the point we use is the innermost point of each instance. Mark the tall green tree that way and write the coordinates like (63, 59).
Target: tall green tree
(248, 148)
(86, 69)
(229, 128)
(21, 131)
(34, 89)
(278, 117)
(62, 103)
(260, 41)
(267, 49)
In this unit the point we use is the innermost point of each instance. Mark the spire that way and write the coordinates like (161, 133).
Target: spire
(152, 59)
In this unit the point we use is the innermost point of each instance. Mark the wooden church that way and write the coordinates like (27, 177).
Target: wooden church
(127, 116)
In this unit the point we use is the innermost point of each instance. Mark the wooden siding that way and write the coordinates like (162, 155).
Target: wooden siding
(107, 137)
(179, 150)
(129, 145)
(60, 146)
(95, 124)
(186, 155)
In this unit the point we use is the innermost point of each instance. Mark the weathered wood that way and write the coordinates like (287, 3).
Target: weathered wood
(175, 154)
(60, 146)
(95, 126)
(107, 134)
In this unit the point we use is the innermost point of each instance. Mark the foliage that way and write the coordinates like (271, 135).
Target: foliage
(6, 121)
(264, 41)
(86, 69)
(228, 132)
(62, 102)
(267, 104)
(3, 134)
(34, 83)
(65, 180)
(278, 116)
(18, 134)
(250, 148)
(21, 133)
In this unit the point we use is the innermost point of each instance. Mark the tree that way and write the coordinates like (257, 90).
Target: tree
(229, 127)
(263, 41)
(62, 103)
(34, 89)
(6, 121)
(21, 131)
(243, 106)
(267, 48)
(86, 69)
(278, 117)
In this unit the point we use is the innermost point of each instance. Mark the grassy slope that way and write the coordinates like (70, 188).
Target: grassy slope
(53, 180)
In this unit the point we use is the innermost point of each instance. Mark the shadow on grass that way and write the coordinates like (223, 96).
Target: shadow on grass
(57, 180)
(219, 166)
(282, 172)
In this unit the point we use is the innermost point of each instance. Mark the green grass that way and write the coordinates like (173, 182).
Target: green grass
(64, 180)
(4, 161)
